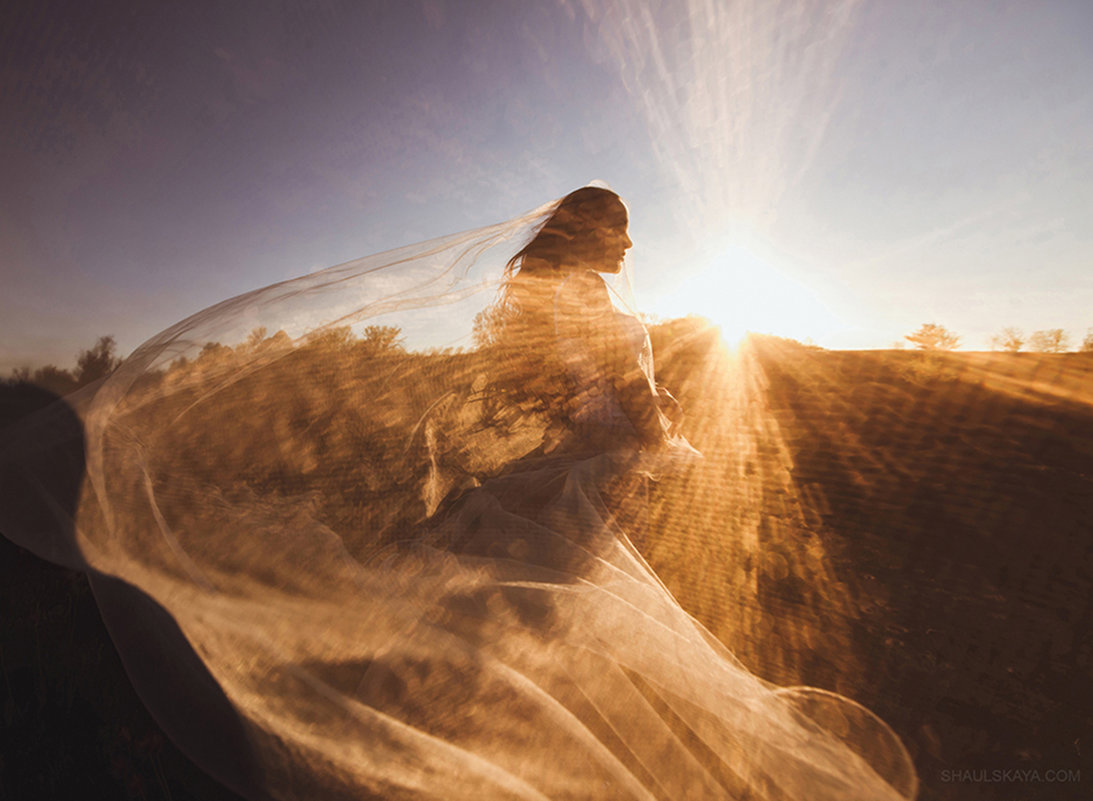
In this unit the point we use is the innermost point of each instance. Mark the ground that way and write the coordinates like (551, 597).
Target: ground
(911, 530)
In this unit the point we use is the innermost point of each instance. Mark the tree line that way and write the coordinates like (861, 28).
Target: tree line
(102, 358)
(94, 363)
(931, 336)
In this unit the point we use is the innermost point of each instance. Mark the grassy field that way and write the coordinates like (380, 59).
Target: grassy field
(912, 530)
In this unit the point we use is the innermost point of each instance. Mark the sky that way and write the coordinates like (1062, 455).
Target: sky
(839, 171)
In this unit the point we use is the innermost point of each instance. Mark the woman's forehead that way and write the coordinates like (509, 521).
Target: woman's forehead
(616, 214)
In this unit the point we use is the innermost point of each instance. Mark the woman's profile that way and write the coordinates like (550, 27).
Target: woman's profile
(559, 309)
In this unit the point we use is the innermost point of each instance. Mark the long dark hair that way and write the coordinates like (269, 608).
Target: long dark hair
(571, 232)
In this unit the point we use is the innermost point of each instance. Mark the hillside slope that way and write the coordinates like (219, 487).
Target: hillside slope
(912, 530)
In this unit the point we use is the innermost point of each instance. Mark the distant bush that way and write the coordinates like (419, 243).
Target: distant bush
(1050, 340)
(1010, 339)
(931, 336)
(98, 361)
(50, 378)
(1087, 343)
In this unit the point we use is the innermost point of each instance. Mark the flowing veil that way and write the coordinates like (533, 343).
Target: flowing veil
(336, 563)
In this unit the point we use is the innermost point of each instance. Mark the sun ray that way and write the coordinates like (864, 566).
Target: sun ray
(739, 289)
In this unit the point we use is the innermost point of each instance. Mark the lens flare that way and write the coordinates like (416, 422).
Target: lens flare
(740, 291)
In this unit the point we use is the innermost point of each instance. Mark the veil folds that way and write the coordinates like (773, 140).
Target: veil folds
(330, 488)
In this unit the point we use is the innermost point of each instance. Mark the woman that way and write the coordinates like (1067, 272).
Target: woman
(599, 361)
(587, 367)
(645, 702)
(515, 645)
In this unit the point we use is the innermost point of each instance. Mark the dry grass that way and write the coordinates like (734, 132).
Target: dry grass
(912, 531)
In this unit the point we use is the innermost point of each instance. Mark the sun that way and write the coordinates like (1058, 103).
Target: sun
(740, 291)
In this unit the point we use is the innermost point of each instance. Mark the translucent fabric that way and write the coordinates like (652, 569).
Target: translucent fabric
(344, 553)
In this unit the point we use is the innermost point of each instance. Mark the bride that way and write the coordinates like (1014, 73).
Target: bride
(339, 562)
(563, 307)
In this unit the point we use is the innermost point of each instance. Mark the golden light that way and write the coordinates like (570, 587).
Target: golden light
(741, 291)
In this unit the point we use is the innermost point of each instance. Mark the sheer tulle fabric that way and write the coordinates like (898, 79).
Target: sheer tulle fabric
(336, 488)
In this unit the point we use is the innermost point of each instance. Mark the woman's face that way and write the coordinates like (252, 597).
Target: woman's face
(611, 246)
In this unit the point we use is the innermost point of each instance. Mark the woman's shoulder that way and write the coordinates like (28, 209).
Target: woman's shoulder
(586, 288)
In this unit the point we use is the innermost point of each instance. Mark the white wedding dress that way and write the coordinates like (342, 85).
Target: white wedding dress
(337, 566)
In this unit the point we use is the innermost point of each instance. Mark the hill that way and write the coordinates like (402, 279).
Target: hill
(911, 530)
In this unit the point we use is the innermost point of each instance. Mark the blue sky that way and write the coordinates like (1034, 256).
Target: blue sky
(840, 170)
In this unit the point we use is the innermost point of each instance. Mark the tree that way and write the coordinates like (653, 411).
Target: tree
(255, 338)
(1087, 343)
(212, 351)
(1050, 340)
(382, 337)
(333, 338)
(1010, 339)
(489, 324)
(931, 336)
(98, 361)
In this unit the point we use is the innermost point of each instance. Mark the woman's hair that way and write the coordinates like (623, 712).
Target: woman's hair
(572, 230)
(522, 316)
(529, 373)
